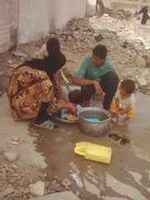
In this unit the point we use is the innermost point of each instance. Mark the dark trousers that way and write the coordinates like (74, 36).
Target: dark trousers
(43, 114)
(109, 83)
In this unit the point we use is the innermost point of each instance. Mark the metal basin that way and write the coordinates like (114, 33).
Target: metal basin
(95, 129)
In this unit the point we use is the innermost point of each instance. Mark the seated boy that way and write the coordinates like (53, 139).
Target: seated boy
(123, 104)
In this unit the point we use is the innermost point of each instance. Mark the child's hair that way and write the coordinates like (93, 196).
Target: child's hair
(128, 85)
(100, 51)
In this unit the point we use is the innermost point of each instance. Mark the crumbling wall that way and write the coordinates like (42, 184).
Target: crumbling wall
(14, 19)
(8, 24)
(33, 20)
(5, 25)
(38, 17)
(64, 10)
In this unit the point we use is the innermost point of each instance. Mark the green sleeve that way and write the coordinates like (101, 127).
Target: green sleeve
(81, 72)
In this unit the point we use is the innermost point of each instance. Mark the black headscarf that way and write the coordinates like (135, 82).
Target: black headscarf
(53, 62)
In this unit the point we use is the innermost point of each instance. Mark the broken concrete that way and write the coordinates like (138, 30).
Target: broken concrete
(37, 189)
(28, 155)
(11, 156)
(58, 196)
(17, 143)
(97, 180)
(47, 16)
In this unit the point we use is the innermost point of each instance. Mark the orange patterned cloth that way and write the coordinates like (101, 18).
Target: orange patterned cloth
(28, 89)
(121, 103)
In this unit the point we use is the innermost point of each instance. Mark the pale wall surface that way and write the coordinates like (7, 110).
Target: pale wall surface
(33, 20)
(38, 17)
(67, 9)
(8, 23)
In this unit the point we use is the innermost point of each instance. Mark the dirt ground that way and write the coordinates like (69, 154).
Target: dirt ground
(48, 156)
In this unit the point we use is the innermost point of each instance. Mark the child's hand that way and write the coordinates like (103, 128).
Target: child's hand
(71, 107)
(98, 88)
(61, 104)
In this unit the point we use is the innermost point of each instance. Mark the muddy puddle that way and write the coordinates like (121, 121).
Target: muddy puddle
(126, 178)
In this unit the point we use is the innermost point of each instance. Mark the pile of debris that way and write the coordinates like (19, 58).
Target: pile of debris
(127, 49)
(119, 14)
(77, 33)
(24, 183)
(123, 28)
(14, 181)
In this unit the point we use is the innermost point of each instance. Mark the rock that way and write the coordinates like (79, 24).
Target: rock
(13, 66)
(140, 61)
(14, 166)
(147, 60)
(10, 62)
(11, 156)
(125, 44)
(55, 186)
(58, 196)
(98, 38)
(19, 53)
(37, 189)
(66, 183)
(77, 180)
(15, 141)
(141, 81)
(8, 191)
(41, 53)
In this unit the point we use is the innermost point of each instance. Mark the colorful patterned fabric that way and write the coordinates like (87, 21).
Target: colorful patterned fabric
(28, 89)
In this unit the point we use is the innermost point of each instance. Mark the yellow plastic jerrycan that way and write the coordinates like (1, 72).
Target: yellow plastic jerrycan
(94, 152)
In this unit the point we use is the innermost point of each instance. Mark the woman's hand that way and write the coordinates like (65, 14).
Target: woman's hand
(64, 104)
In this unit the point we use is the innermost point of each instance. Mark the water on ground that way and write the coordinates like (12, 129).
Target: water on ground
(128, 175)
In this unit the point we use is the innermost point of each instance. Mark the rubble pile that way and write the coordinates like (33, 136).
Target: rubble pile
(126, 30)
(129, 53)
(127, 49)
(120, 14)
(78, 34)
(14, 182)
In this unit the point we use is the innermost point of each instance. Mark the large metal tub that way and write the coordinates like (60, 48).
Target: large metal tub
(94, 129)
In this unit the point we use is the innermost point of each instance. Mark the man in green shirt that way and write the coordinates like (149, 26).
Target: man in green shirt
(97, 74)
